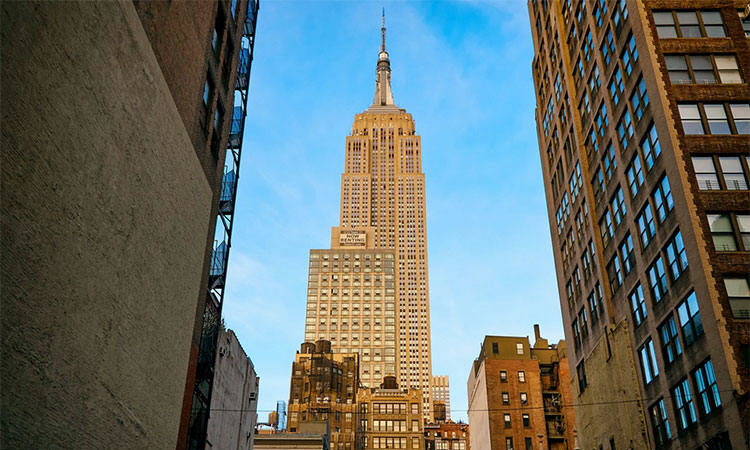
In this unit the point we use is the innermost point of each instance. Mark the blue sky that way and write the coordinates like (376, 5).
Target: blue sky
(463, 70)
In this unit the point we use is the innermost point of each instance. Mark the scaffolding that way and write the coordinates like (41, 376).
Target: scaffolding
(217, 271)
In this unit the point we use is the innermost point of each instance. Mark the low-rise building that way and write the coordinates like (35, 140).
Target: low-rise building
(324, 388)
(234, 401)
(518, 393)
(446, 436)
(390, 417)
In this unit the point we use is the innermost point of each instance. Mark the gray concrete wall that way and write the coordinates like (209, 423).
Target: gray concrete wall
(234, 399)
(105, 212)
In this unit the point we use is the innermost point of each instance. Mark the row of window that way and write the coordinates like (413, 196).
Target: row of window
(714, 172)
(730, 232)
(703, 69)
(689, 24)
(715, 118)
(528, 443)
(703, 390)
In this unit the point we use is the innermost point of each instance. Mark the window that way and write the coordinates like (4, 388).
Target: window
(626, 252)
(676, 256)
(729, 72)
(638, 305)
(639, 99)
(646, 228)
(601, 120)
(657, 279)
(588, 45)
(743, 220)
(528, 444)
(524, 398)
(683, 403)
(670, 341)
(576, 333)
(690, 319)
(663, 199)
(606, 228)
(506, 398)
(614, 273)
(584, 322)
(494, 348)
(521, 376)
(519, 349)
(625, 129)
(651, 147)
(705, 173)
(503, 376)
(716, 116)
(691, 119)
(660, 423)
(608, 47)
(686, 24)
(648, 361)
(506, 419)
(629, 55)
(708, 391)
(722, 232)
(594, 306)
(620, 15)
(526, 421)
(581, 374)
(616, 86)
(594, 81)
(734, 177)
(634, 173)
(617, 204)
(738, 292)
(609, 162)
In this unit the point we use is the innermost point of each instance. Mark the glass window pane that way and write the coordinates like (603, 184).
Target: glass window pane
(715, 112)
(690, 31)
(666, 31)
(687, 18)
(701, 62)
(744, 223)
(689, 111)
(719, 222)
(711, 17)
(730, 164)
(703, 164)
(663, 18)
(675, 62)
(725, 62)
(737, 287)
(740, 111)
(715, 31)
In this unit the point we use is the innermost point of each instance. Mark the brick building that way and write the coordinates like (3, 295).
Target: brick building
(116, 120)
(446, 436)
(324, 388)
(390, 417)
(518, 393)
(643, 118)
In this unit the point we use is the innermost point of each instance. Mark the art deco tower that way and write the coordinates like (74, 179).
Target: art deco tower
(382, 217)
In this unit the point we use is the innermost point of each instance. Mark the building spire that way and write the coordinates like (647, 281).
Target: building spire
(383, 94)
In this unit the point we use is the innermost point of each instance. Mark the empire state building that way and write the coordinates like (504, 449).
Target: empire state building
(369, 293)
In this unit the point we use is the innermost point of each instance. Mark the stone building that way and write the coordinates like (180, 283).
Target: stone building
(382, 215)
(643, 119)
(116, 117)
(324, 388)
(441, 392)
(518, 393)
(390, 417)
(446, 436)
(234, 400)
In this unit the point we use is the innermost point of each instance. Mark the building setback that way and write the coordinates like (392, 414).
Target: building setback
(643, 118)
(446, 436)
(116, 120)
(390, 417)
(518, 393)
(324, 388)
(234, 400)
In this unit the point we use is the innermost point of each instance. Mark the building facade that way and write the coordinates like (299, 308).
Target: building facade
(441, 392)
(234, 401)
(383, 209)
(351, 302)
(446, 436)
(390, 417)
(643, 118)
(520, 394)
(107, 253)
(324, 388)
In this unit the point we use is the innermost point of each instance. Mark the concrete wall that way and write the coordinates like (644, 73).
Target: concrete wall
(479, 419)
(234, 400)
(105, 216)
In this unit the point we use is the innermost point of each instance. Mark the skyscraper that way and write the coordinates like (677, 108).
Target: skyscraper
(382, 209)
(643, 118)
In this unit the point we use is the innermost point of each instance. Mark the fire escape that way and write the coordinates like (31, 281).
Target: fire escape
(223, 240)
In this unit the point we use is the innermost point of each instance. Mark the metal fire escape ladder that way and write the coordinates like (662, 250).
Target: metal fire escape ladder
(201, 402)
